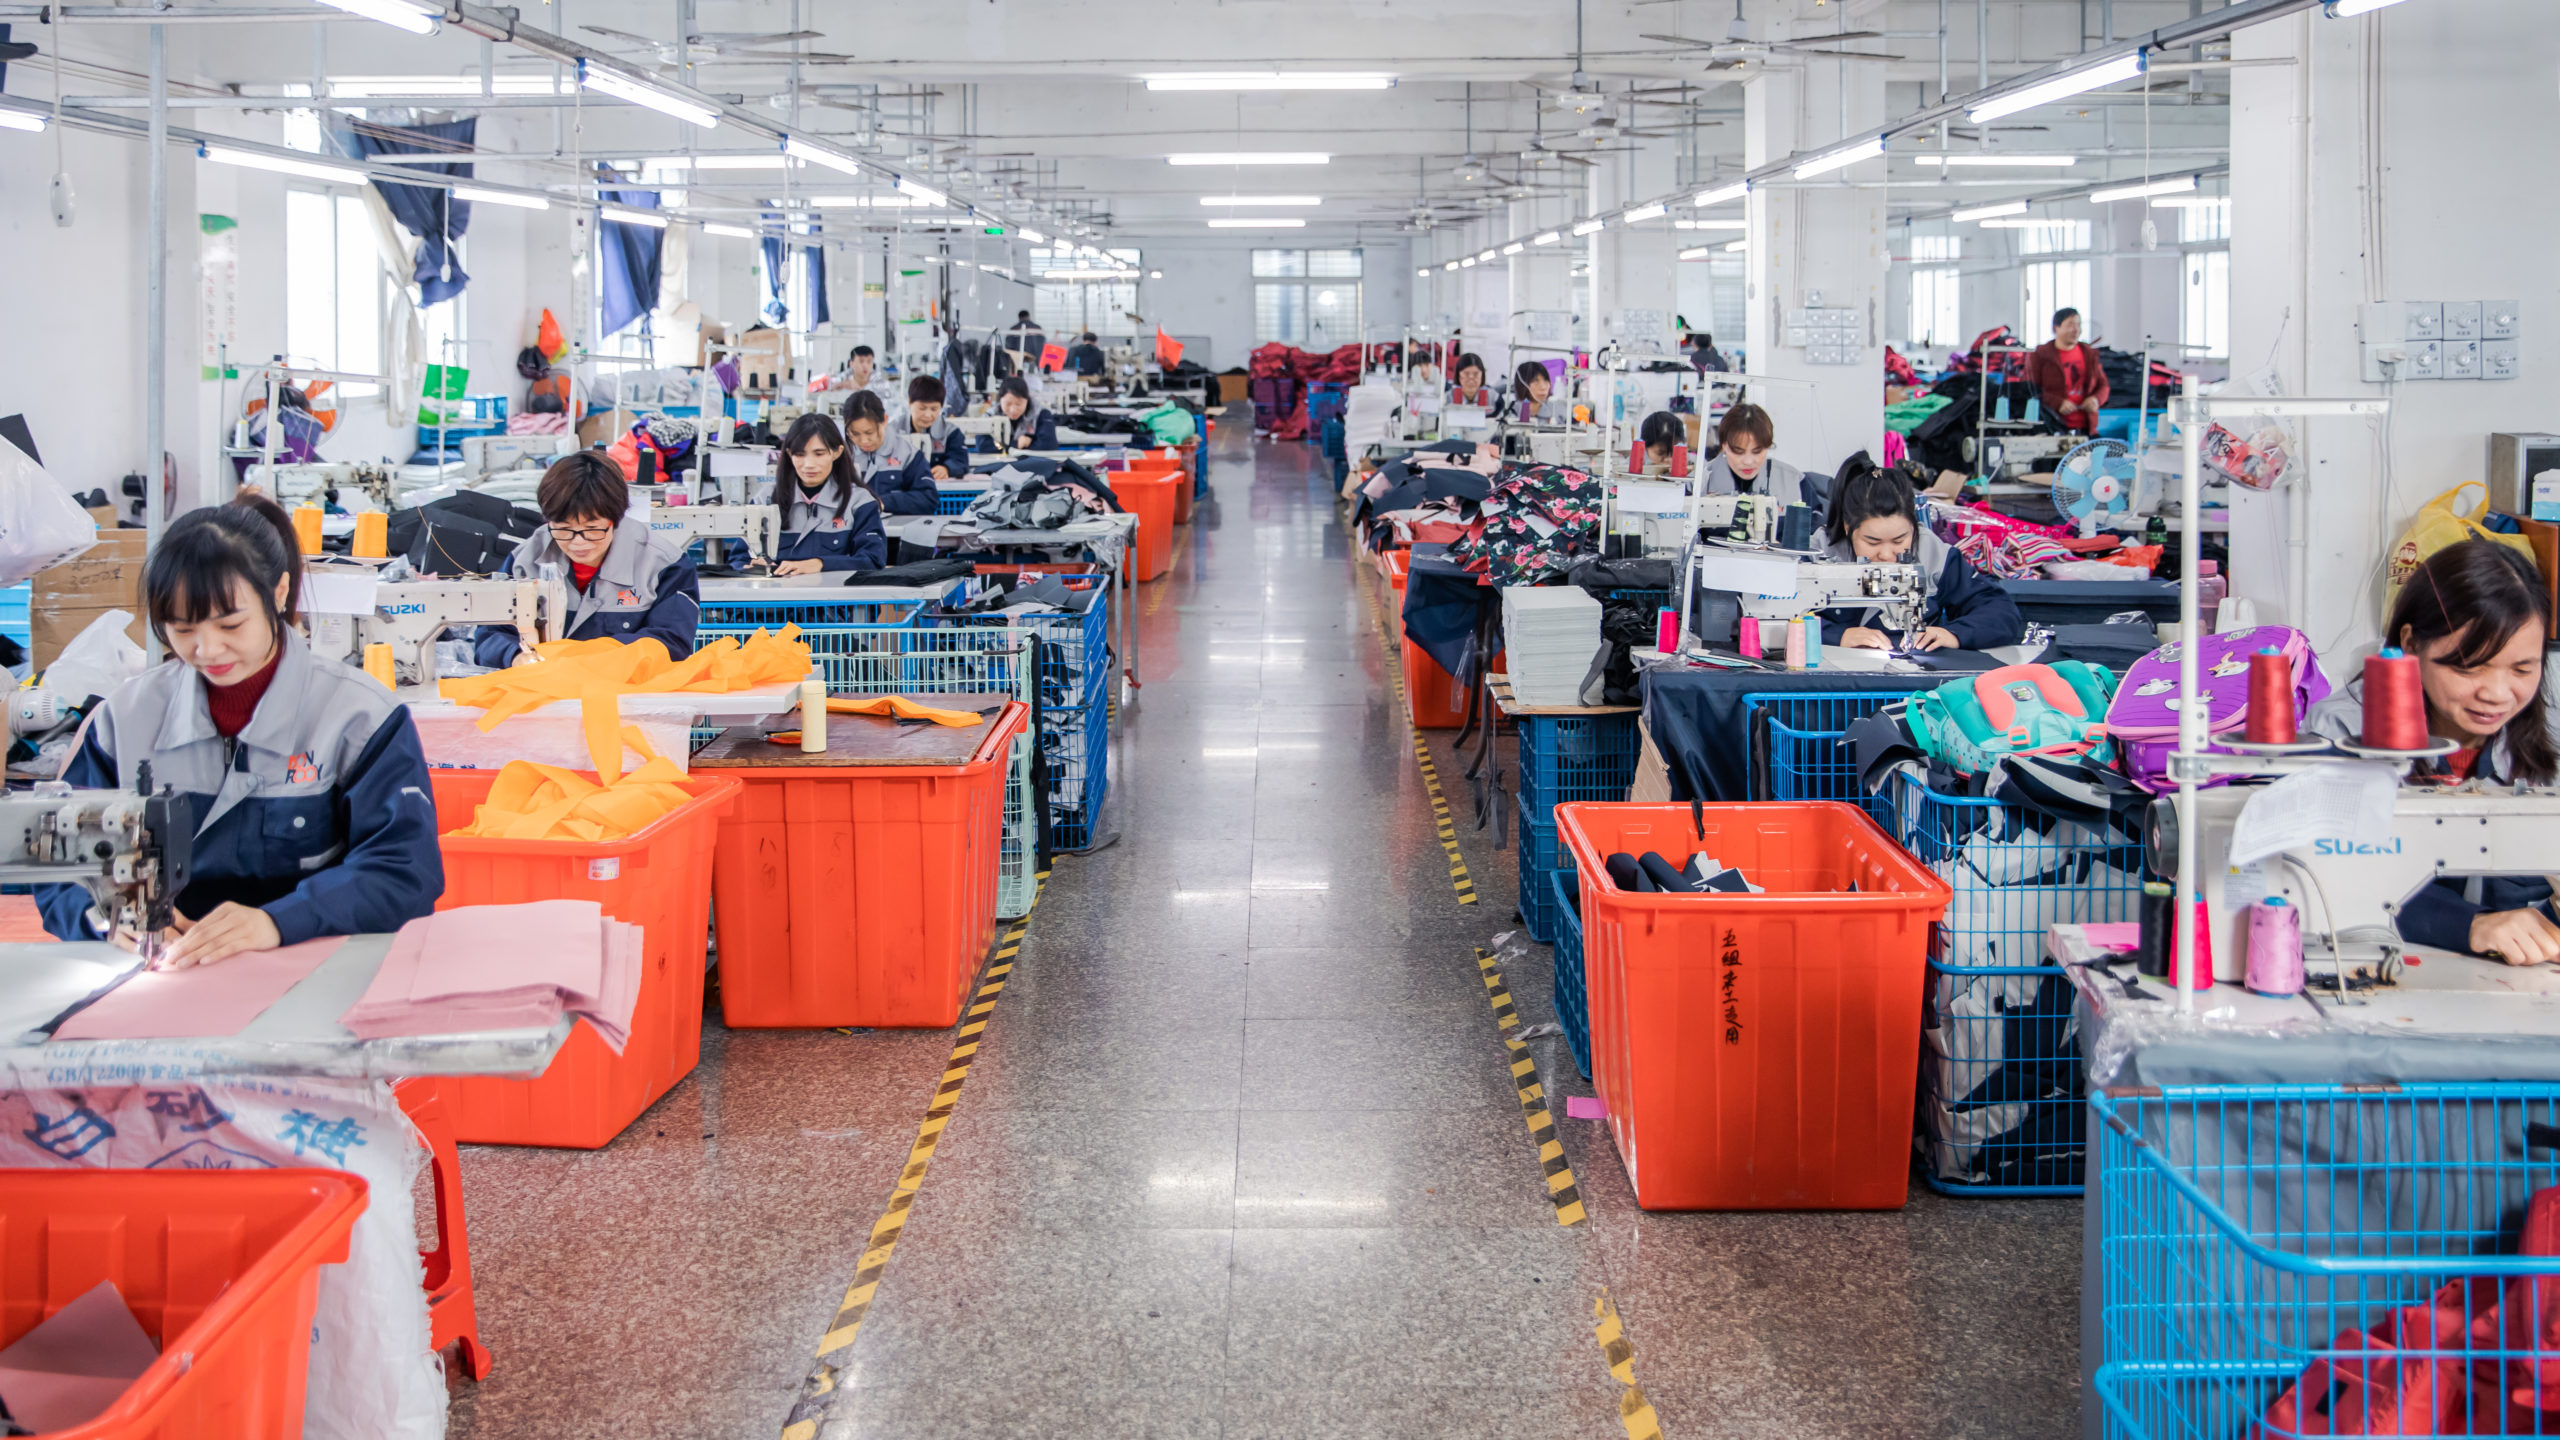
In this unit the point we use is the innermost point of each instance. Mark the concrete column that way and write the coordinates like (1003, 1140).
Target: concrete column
(1813, 239)
(2428, 203)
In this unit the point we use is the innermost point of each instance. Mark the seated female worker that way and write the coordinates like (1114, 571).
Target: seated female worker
(1743, 464)
(1530, 387)
(1661, 434)
(2476, 616)
(900, 478)
(1471, 389)
(1874, 519)
(314, 815)
(945, 449)
(627, 582)
(829, 519)
(1030, 427)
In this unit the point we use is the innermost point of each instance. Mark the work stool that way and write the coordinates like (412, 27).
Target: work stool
(451, 1313)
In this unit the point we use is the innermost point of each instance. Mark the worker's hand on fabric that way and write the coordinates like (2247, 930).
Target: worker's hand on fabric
(229, 930)
(131, 940)
(1859, 637)
(797, 567)
(1936, 637)
(2519, 937)
(941, 472)
(526, 656)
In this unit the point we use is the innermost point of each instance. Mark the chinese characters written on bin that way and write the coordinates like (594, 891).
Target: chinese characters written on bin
(1731, 959)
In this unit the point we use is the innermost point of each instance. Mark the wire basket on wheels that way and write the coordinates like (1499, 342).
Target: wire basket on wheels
(2300, 1260)
(1074, 673)
(1564, 758)
(1796, 750)
(2000, 1086)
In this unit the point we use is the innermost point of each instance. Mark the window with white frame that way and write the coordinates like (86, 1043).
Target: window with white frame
(333, 285)
(1307, 298)
(1934, 289)
(2050, 286)
(2205, 319)
(2053, 237)
(2205, 222)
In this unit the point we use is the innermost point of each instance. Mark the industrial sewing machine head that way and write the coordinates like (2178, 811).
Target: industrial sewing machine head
(1741, 519)
(1787, 585)
(131, 848)
(412, 615)
(758, 527)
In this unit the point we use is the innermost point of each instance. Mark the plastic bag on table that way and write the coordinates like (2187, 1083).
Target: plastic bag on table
(97, 660)
(41, 526)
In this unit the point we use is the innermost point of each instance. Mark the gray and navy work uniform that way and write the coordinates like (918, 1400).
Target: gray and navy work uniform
(1956, 597)
(318, 812)
(645, 589)
(901, 482)
(941, 443)
(1776, 478)
(826, 527)
(1036, 430)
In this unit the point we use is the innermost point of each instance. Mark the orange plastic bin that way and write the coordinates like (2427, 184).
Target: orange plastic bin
(1757, 1052)
(1438, 701)
(1149, 496)
(860, 894)
(221, 1267)
(659, 880)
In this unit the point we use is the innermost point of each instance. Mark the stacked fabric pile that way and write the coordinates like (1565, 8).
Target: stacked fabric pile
(1552, 635)
(1539, 521)
(544, 802)
(505, 967)
(598, 673)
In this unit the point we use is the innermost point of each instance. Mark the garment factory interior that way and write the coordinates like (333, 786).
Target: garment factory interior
(1227, 718)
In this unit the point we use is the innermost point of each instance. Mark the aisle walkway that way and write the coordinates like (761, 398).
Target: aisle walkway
(1240, 1154)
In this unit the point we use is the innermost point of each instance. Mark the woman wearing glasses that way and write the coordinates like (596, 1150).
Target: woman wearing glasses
(625, 581)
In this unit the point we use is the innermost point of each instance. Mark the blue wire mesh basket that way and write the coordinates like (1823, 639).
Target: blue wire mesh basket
(1573, 1009)
(1806, 760)
(1564, 758)
(1074, 663)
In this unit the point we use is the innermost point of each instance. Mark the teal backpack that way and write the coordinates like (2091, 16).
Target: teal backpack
(2057, 709)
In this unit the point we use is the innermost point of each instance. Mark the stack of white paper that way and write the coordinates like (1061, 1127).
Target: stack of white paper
(1551, 634)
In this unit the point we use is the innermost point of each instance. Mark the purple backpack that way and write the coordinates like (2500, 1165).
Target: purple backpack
(2141, 717)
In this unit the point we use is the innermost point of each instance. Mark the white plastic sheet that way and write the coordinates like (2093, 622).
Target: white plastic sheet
(40, 526)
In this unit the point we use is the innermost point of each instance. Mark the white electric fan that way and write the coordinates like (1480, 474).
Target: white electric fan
(2094, 479)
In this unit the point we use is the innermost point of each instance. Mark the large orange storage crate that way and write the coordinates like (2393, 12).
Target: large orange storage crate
(1439, 702)
(860, 894)
(221, 1267)
(659, 880)
(1757, 1052)
(1150, 498)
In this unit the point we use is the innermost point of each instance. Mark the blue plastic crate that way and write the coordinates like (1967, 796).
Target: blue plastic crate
(1574, 757)
(1573, 1010)
(1074, 672)
(1806, 759)
(1540, 858)
(14, 612)
(2248, 1234)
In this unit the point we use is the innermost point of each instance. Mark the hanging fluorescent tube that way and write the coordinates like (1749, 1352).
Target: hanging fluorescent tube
(1246, 223)
(1546, 237)
(1484, 257)
(1469, 262)
(2178, 186)
(2060, 87)
(1514, 248)
(1698, 252)
(816, 154)
(308, 169)
(1234, 200)
(1034, 236)
(1452, 265)
(479, 196)
(1738, 245)
(391, 13)
(2344, 9)
(624, 87)
(734, 232)
(686, 162)
(625, 215)
(922, 194)
(1986, 212)
(1841, 159)
(1422, 274)
(1252, 157)
(1642, 213)
(1585, 227)
(1721, 194)
(21, 120)
(1268, 80)
(2052, 161)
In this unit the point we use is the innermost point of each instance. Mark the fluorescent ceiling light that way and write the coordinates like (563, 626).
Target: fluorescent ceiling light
(1546, 238)
(1698, 252)
(625, 215)
(735, 232)
(1722, 193)
(1986, 212)
(357, 87)
(1642, 213)
(1251, 157)
(1514, 248)
(922, 193)
(1469, 262)
(1268, 80)
(308, 169)
(1585, 227)
(700, 162)
(392, 13)
(1710, 224)
(2050, 161)
(1737, 245)
(866, 202)
(2180, 185)
(21, 120)
(639, 92)
(2342, 9)
(1840, 159)
(2190, 202)
(1034, 236)
(1452, 265)
(1234, 222)
(1422, 273)
(1233, 200)
(499, 197)
(816, 154)
(2060, 87)
(1484, 257)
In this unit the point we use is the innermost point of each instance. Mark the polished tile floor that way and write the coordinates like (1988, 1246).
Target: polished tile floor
(1239, 1156)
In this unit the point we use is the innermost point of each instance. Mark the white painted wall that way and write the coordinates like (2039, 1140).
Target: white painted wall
(1821, 240)
(1207, 289)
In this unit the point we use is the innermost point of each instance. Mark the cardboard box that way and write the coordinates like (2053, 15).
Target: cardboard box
(1652, 784)
(764, 361)
(67, 597)
(1232, 388)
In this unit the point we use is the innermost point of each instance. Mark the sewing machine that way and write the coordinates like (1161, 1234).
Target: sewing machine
(309, 483)
(2357, 888)
(486, 455)
(131, 848)
(1783, 585)
(1742, 519)
(759, 526)
(412, 615)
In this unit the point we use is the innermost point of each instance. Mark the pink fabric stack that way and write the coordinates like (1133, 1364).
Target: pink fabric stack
(505, 967)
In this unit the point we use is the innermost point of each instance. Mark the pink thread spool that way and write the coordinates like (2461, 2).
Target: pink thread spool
(1666, 630)
(2275, 948)
(1750, 639)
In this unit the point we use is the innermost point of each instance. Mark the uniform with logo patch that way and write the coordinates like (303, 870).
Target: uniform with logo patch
(941, 443)
(1954, 596)
(318, 811)
(645, 589)
(902, 483)
(840, 531)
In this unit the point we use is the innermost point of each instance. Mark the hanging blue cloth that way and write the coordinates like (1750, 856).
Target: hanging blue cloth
(776, 310)
(427, 211)
(631, 255)
(817, 277)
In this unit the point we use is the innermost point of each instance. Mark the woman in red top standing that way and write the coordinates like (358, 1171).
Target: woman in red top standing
(2067, 375)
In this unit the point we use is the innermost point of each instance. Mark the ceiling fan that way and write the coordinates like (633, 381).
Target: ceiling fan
(1738, 49)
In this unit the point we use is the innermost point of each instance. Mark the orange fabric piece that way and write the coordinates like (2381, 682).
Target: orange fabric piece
(598, 673)
(901, 707)
(545, 802)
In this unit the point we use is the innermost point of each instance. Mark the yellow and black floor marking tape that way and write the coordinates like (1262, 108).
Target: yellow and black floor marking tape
(1634, 1411)
(1562, 1192)
(1443, 824)
(817, 1393)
